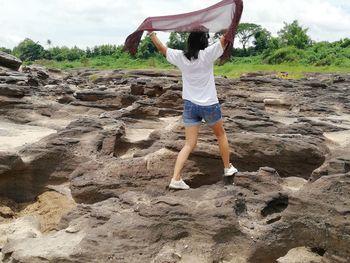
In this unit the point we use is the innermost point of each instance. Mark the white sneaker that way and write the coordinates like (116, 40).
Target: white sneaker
(180, 185)
(230, 171)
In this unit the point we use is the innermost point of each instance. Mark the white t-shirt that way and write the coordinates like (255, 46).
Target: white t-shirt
(198, 74)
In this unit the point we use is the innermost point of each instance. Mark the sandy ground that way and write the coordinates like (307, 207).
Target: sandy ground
(142, 129)
(13, 136)
(300, 255)
(49, 208)
(135, 135)
(293, 183)
(340, 138)
(283, 119)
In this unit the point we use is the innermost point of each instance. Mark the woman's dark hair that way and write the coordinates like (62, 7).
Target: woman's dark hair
(196, 41)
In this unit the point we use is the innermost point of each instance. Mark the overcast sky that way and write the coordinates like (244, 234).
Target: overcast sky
(95, 22)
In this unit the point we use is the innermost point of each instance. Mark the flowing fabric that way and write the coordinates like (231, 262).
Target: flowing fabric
(223, 16)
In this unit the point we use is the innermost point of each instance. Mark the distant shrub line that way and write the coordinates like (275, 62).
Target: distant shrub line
(258, 46)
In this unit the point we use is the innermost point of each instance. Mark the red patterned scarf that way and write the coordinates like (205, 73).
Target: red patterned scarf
(222, 16)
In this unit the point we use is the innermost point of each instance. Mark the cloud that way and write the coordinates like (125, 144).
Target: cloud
(94, 22)
(326, 20)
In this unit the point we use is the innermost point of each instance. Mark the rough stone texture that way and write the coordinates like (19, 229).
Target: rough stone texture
(9, 61)
(301, 255)
(49, 208)
(303, 223)
(25, 227)
(116, 137)
(12, 90)
(56, 247)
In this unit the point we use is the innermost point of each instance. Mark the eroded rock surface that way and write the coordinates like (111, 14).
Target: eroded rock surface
(9, 61)
(101, 145)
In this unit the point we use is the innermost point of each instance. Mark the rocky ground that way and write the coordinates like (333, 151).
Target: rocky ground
(86, 157)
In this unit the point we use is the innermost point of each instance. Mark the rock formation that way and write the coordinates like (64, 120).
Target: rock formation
(9, 61)
(86, 157)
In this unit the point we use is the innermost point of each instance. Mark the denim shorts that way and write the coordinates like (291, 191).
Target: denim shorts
(193, 114)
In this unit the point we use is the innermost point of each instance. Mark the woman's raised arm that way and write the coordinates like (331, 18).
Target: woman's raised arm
(223, 42)
(159, 45)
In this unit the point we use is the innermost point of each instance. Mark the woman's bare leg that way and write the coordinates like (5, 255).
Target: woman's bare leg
(191, 141)
(220, 134)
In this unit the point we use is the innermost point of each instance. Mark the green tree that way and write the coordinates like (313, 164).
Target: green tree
(262, 40)
(275, 43)
(56, 54)
(28, 50)
(74, 53)
(48, 42)
(88, 52)
(294, 35)
(6, 50)
(344, 43)
(245, 33)
(178, 40)
(65, 53)
(146, 48)
(217, 35)
(119, 52)
(106, 50)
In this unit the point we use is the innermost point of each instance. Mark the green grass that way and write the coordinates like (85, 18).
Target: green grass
(230, 69)
(294, 71)
(107, 63)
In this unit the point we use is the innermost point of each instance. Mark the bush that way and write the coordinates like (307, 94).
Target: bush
(326, 61)
(28, 50)
(342, 62)
(84, 61)
(284, 55)
(309, 57)
(151, 62)
(101, 63)
(344, 43)
(247, 60)
(6, 50)
(345, 52)
(146, 48)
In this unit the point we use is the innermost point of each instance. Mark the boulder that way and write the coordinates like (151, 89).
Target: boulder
(11, 90)
(317, 217)
(9, 61)
(93, 95)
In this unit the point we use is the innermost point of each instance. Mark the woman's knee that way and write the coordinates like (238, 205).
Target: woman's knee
(220, 134)
(190, 145)
(219, 130)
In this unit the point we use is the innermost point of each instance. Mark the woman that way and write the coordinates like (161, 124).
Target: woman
(200, 97)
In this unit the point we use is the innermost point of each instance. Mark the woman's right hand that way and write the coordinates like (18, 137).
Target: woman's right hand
(223, 41)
